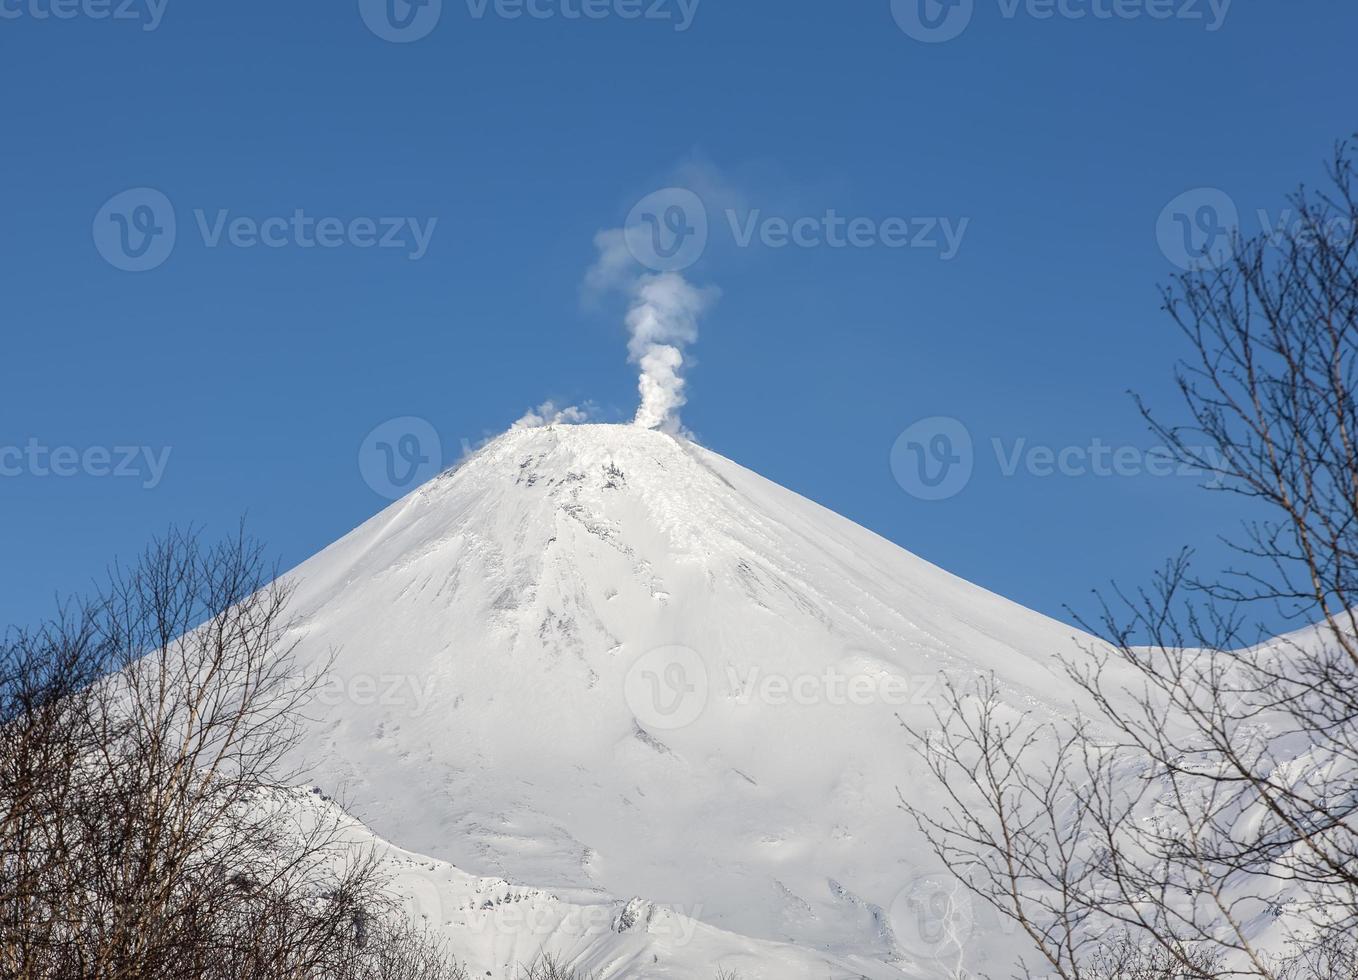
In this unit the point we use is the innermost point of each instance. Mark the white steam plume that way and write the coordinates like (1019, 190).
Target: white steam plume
(662, 320)
(548, 414)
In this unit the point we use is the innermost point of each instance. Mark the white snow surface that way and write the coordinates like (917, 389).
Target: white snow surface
(542, 669)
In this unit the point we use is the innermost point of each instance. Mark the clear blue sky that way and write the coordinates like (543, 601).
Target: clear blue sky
(1060, 139)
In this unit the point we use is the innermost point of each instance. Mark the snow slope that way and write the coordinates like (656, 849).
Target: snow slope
(602, 662)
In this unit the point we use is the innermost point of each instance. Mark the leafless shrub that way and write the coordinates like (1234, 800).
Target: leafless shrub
(1124, 958)
(150, 828)
(1207, 809)
(1332, 957)
(549, 967)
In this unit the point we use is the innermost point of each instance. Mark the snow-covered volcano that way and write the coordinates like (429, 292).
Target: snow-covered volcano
(604, 661)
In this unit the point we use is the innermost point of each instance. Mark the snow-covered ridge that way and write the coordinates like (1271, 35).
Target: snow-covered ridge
(497, 929)
(603, 661)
